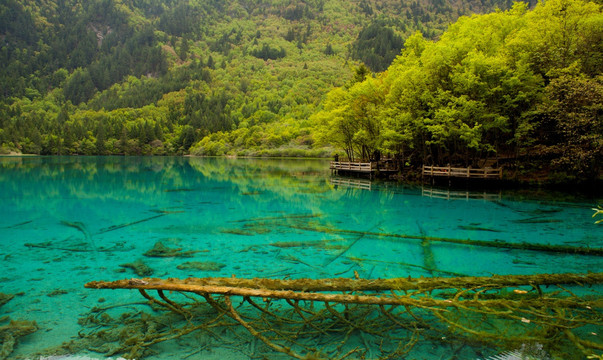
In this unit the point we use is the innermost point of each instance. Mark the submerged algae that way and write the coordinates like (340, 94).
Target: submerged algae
(10, 334)
(139, 267)
(201, 266)
(4, 298)
(160, 250)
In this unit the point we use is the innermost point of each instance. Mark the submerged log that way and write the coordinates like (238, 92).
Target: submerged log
(120, 226)
(402, 310)
(500, 244)
(351, 285)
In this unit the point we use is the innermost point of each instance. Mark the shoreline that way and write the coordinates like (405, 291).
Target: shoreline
(412, 175)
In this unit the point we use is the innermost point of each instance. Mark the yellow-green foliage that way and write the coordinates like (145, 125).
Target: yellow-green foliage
(504, 83)
(157, 77)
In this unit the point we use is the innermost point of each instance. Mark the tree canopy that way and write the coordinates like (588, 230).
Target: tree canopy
(519, 84)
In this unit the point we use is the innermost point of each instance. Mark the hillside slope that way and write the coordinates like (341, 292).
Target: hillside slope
(523, 88)
(157, 76)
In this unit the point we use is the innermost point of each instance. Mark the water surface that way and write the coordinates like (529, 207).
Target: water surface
(65, 221)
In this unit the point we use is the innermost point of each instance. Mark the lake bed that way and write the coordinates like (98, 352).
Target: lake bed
(66, 221)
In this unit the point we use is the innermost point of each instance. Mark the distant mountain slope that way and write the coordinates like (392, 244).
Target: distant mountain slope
(157, 76)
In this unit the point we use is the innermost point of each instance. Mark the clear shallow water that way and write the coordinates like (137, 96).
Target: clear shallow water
(65, 221)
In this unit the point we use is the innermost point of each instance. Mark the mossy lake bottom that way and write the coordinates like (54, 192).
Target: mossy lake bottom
(66, 221)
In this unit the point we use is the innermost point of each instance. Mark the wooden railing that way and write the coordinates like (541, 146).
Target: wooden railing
(448, 171)
(352, 166)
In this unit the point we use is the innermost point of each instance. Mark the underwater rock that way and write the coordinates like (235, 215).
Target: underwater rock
(139, 267)
(160, 250)
(201, 265)
(10, 334)
(4, 298)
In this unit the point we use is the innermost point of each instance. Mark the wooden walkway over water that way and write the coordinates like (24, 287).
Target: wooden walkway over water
(458, 172)
(363, 168)
(386, 168)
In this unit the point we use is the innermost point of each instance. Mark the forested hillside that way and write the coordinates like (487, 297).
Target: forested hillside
(523, 87)
(157, 76)
(251, 77)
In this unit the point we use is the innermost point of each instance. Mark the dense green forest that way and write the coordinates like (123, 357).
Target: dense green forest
(520, 83)
(519, 86)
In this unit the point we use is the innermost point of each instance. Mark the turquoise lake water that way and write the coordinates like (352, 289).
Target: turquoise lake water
(65, 221)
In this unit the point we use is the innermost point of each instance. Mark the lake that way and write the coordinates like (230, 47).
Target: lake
(66, 221)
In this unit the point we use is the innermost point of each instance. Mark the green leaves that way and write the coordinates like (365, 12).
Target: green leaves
(498, 84)
(79, 87)
(377, 45)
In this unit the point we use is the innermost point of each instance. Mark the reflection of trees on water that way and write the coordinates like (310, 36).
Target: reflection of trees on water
(143, 178)
(149, 175)
(267, 179)
(123, 179)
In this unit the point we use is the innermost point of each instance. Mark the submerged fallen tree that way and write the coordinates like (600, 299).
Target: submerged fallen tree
(500, 244)
(384, 318)
(234, 285)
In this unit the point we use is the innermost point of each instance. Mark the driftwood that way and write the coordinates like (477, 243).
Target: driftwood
(503, 312)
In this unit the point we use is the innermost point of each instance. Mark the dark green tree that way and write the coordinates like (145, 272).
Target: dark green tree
(79, 87)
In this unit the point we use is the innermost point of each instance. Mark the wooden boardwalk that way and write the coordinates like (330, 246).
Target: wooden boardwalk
(363, 168)
(388, 168)
(457, 172)
(358, 167)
